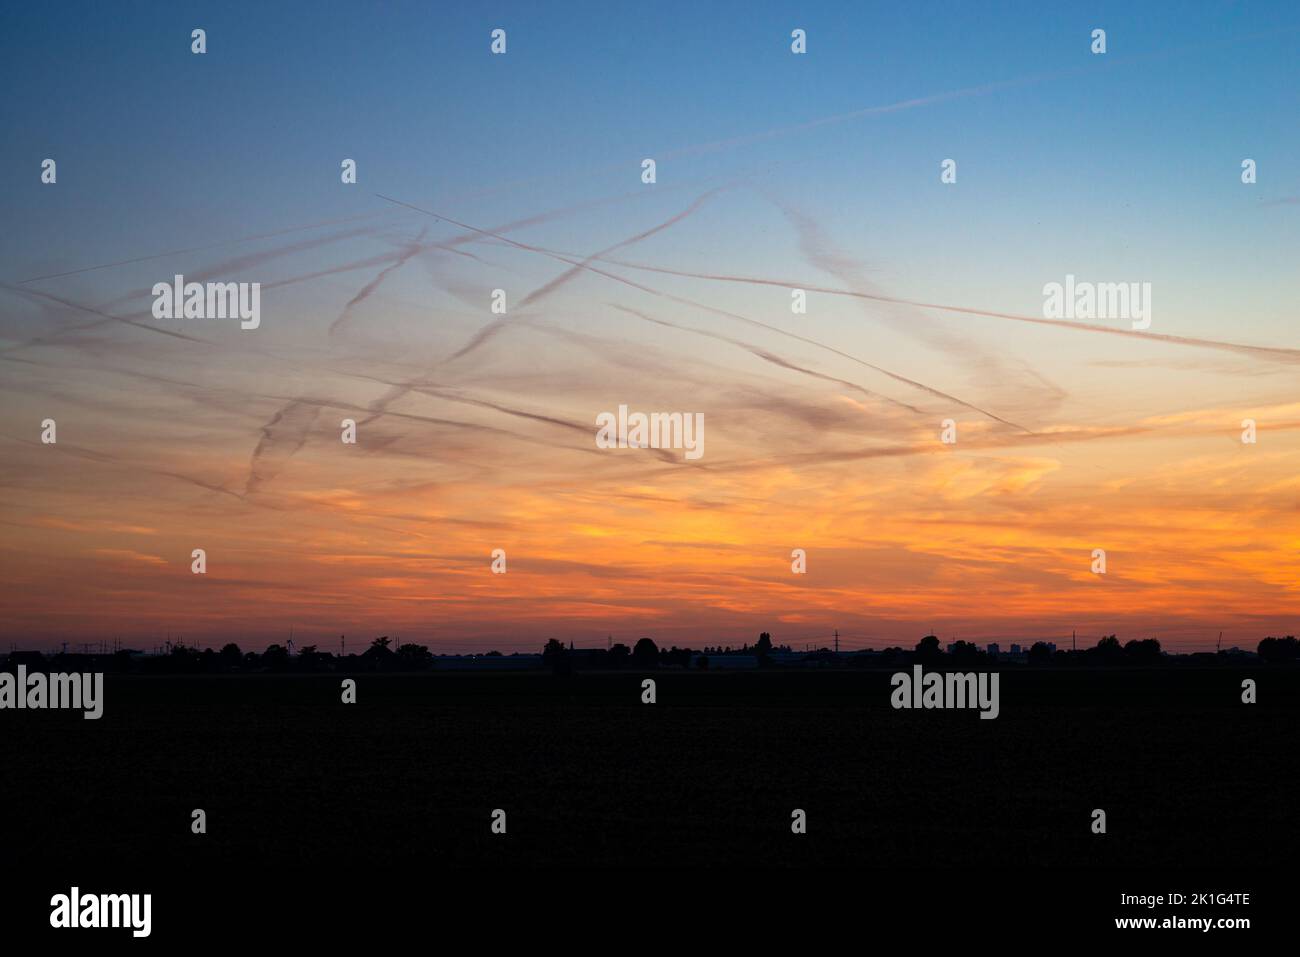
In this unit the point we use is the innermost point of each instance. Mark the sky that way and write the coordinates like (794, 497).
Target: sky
(774, 171)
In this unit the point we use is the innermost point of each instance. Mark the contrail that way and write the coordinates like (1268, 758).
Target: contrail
(1279, 353)
(820, 252)
(105, 318)
(239, 262)
(196, 249)
(925, 448)
(105, 458)
(766, 356)
(490, 331)
(450, 245)
(298, 416)
(646, 234)
(1112, 61)
(394, 262)
(375, 283)
(655, 292)
(249, 260)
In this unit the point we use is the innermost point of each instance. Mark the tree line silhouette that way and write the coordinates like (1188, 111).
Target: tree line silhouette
(382, 655)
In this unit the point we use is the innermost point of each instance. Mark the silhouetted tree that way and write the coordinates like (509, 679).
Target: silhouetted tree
(677, 657)
(1039, 653)
(964, 652)
(230, 656)
(619, 654)
(927, 648)
(645, 654)
(414, 656)
(1277, 651)
(557, 656)
(1107, 651)
(1146, 651)
(275, 658)
(309, 659)
(764, 645)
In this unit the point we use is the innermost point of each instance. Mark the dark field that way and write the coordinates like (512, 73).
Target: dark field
(292, 778)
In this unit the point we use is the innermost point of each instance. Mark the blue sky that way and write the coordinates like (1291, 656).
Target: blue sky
(248, 137)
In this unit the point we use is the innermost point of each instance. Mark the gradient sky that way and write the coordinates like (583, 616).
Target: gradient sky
(775, 171)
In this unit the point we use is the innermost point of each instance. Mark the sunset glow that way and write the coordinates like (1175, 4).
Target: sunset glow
(476, 431)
